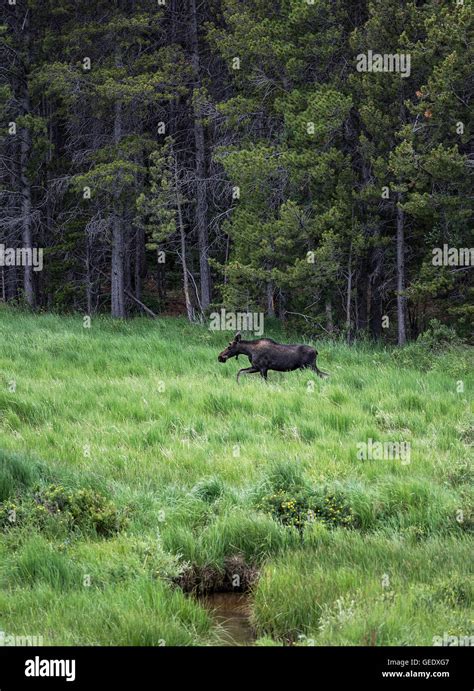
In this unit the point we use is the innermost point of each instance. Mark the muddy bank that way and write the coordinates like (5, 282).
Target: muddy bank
(235, 577)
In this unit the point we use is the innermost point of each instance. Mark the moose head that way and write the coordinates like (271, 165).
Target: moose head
(232, 349)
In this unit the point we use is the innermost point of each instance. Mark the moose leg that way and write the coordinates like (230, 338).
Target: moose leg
(263, 372)
(246, 370)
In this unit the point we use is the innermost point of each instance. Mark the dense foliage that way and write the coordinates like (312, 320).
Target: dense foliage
(181, 158)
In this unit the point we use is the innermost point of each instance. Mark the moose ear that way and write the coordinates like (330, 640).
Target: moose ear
(237, 337)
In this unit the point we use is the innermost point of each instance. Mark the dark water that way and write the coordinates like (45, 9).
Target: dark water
(231, 611)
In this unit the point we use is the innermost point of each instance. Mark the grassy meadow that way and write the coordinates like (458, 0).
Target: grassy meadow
(133, 468)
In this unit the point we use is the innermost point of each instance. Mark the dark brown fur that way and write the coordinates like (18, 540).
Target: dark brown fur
(265, 354)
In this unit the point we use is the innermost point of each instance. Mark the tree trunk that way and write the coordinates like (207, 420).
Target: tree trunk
(139, 242)
(88, 277)
(25, 185)
(201, 187)
(281, 305)
(187, 298)
(26, 229)
(118, 285)
(118, 309)
(160, 275)
(270, 303)
(401, 298)
(362, 310)
(329, 316)
(374, 294)
(349, 296)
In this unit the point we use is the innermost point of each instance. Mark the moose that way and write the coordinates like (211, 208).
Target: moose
(265, 354)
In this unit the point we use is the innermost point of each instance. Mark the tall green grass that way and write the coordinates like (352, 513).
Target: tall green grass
(142, 413)
(348, 589)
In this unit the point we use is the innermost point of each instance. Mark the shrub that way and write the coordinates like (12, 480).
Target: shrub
(80, 508)
(335, 511)
(459, 472)
(438, 336)
(57, 507)
(297, 509)
(432, 347)
(456, 591)
(290, 508)
(10, 514)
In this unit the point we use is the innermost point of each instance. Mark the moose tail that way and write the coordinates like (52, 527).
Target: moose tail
(320, 373)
